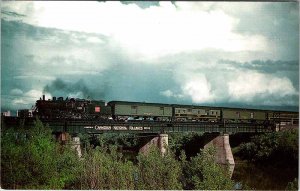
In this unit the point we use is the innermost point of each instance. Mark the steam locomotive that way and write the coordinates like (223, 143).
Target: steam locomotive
(71, 108)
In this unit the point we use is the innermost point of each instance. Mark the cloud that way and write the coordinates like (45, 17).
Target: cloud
(171, 94)
(21, 100)
(233, 82)
(142, 4)
(198, 90)
(141, 30)
(16, 91)
(196, 87)
(247, 85)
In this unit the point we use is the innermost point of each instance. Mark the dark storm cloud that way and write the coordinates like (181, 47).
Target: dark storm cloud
(11, 14)
(266, 66)
(142, 4)
(279, 22)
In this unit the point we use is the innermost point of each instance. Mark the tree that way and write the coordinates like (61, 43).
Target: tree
(31, 159)
(157, 172)
(105, 169)
(292, 185)
(278, 147)
(288, 147)
(203, 173)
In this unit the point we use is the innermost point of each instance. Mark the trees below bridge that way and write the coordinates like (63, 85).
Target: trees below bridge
(277, 147)
(33, 159)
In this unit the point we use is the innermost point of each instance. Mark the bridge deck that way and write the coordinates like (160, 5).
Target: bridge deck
(98, 126)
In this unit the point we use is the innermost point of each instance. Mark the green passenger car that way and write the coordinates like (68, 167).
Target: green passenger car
(141, 109)
(196, 113)
(243, 115)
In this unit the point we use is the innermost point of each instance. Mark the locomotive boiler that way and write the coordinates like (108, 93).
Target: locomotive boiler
(73, 108)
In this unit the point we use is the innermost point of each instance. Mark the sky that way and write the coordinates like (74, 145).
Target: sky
(236, 54)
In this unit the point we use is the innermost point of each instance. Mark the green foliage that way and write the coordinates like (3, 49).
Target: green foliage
(289, 145)
(202, 173)
(190, 142)
(260, 148)
(158, 172)
(105, 169)
(292, 185)
(31, 159)
(276, 146)
(120, 140)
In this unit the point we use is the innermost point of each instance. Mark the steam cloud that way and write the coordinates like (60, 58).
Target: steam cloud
(78, 89)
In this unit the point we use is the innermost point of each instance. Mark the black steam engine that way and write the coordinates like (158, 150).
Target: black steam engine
(60, 108)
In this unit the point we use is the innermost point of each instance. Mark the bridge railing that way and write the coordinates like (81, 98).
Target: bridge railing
(101, 126)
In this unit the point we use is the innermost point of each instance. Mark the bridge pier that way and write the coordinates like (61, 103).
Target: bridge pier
(223, 151)
(73, 141)
(62, 137)
(160, 141)
(75, 144)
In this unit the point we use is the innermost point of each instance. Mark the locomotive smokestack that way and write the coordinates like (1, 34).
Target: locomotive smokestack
(43, 97)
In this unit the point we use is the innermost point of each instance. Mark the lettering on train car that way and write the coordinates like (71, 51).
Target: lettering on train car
(135, 128)
(102, 127)
(120, 128)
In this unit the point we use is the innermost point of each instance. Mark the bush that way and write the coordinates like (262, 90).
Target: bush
(280, 147)
(31, 159)
(104, 170)
(292, 185)
(157, 172)
(203, 173)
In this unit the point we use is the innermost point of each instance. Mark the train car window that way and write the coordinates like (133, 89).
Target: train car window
(134, 109)
(161, 108)
(189, 110)
(251, 115)
(183, 111)
(198, 111)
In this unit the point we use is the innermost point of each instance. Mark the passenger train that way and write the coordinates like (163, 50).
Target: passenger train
(71, 108)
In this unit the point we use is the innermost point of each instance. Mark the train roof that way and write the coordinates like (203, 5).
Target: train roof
(138, 103)
(231, 108)
(194, 106)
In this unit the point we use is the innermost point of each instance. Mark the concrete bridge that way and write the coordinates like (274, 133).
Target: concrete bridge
(217, 134)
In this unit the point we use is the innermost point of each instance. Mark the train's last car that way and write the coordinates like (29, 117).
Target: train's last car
(122, 110)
